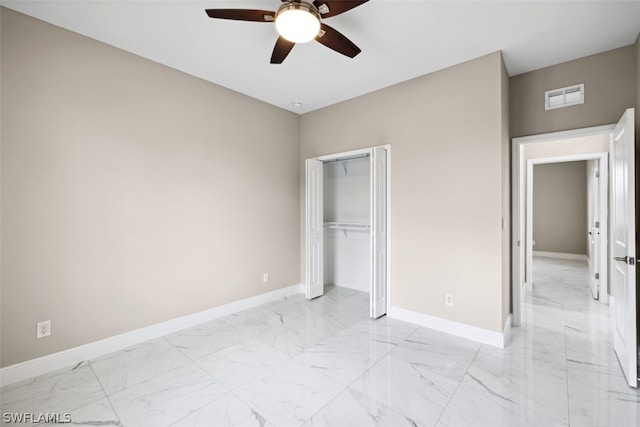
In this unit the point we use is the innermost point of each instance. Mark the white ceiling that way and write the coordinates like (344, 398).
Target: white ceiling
(400, 40)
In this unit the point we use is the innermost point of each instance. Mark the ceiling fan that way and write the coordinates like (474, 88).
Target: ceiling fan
(299, 21)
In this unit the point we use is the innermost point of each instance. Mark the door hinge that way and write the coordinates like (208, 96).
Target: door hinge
(597, 224)
(597, 276)
(597, 174)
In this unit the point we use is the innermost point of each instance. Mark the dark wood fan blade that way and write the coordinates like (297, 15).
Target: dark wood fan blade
(242, 14)
(281, 50)
(336, 7)
(333, 39)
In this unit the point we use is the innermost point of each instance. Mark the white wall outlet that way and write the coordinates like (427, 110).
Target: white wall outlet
(448, 300)
(43, 329)
(265, 278)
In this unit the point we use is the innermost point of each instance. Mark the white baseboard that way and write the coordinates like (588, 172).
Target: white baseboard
(485, 336)
(355, 287)
(561, 255)
(51, 362)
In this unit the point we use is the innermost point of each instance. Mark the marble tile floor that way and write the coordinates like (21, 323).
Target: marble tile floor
(324, 363)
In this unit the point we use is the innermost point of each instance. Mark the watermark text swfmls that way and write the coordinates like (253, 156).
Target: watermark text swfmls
(32, 417)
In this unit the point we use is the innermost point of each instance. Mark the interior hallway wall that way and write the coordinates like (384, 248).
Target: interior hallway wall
(132, 193)
(560, 207)
(610, 81)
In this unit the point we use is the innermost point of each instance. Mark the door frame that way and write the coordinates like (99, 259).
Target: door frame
(360, 152)
(517, 281)
(603, 157)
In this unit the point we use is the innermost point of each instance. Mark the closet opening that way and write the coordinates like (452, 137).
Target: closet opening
(347, 223)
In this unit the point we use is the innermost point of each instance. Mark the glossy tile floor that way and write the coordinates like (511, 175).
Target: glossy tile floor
(324, 363)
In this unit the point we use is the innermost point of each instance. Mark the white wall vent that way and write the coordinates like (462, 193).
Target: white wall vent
(564, 97)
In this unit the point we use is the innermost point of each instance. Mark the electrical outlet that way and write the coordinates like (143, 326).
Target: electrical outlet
(265, 278)
(448, 300)
(43, 329)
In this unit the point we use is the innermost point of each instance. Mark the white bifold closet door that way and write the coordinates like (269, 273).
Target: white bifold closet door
(315, 229)
(378, 232)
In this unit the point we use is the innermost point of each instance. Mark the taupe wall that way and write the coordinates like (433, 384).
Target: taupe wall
(447, 136)
(132, 193)
(610, 81)
(506, 195)
(560, 207)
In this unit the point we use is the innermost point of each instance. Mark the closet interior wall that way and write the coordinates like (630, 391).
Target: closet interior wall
(347, 237)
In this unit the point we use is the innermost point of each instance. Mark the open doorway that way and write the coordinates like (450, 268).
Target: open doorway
(581, 144)
(566, 206)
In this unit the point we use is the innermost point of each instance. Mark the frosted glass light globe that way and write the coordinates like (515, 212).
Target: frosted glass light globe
(297, 23)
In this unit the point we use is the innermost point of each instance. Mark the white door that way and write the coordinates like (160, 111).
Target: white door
(594, 228)
(315, 229)
(378, 232)
(623, 271)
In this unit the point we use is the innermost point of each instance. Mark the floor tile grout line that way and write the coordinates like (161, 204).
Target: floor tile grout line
(128, 386)
(566, 356)
(327, 404)
(106, 396)
(238, 330)
(368, 370)
(459, 383)
(348, 386)
(289, 359)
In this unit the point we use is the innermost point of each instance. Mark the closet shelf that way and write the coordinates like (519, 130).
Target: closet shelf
(347, 226)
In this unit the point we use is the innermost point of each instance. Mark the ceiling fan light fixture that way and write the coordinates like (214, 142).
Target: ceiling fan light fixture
(298, 22)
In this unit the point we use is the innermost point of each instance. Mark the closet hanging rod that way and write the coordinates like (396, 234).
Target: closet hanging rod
(351, 225)
(345, 159)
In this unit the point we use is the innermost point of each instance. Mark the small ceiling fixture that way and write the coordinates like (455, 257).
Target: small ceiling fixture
(296, 104)
(298, 22)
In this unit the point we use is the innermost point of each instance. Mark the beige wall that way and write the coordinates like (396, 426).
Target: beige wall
(610, 81)
(132, 193)
(560, 207)
(506, 196)
(446, 131)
